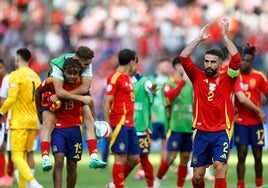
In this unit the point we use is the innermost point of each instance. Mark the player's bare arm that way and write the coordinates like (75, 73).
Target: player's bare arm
(84, 87)
(203, 35)
(249, 104)
(107, 100)
(228, 43)
(62, 93)
(235, 64)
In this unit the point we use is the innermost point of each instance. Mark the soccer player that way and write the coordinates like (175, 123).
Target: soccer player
(144, 91)
(239, 94)
(66, 137)
(5, 180)
(179, 97)
(118, 111)
(248, 129)
(213, 109)
(24, 121)
(159, 113)
(84, 55)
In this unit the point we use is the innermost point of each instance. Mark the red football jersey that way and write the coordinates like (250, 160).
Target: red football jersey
(122, 108)
(47, 85)
(252, 84)
(213, 107)
(47, 89)
(68, 115)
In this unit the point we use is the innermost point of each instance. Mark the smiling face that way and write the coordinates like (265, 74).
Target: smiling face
(71, 75)
(72, 70)
(212, 64)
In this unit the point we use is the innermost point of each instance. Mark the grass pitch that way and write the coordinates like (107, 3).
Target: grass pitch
(89, 178)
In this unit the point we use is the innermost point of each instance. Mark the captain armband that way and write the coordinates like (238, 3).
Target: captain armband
(232, 73)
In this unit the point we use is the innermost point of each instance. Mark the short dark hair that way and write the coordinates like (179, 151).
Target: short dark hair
(176, 61)
(72, 64)
(216, 52)
(125, 56)
(24, 53)
(84, 52)
(249, 50)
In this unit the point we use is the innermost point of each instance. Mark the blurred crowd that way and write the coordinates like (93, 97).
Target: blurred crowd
(154, 28)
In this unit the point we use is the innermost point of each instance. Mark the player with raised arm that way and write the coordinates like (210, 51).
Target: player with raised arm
(212, 108)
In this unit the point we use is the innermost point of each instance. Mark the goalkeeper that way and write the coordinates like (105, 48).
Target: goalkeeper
(84, 55)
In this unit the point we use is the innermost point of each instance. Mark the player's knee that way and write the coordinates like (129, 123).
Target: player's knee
(170, 159)
(16, 156)
(71, 166)
(59, 164)
(134, 160)
(220, 169)
(197, 179)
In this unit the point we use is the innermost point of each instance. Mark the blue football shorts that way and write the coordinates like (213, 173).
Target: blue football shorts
(249, 135)
(144, 143)
(158, 131)
(209, 147)
(180, 142)
(67, 141)
(125, 141)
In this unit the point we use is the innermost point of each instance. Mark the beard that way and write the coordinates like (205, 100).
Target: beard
(210, 72)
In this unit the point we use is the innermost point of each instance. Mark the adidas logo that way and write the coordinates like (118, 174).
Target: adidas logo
(223, 156)
(76, 156)
(145, 150)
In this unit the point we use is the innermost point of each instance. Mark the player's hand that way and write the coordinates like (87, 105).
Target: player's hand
(53, 98)
(204, 33)
(154, 88)
(225, 24)
(86, 99)
(262, 116)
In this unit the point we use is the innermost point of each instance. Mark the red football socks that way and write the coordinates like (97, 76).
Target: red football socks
(45, 148)
(182, 172)
(118, 175)
(92, 146)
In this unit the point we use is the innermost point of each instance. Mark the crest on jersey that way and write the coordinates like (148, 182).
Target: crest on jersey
(212, 87)
(109, 88)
